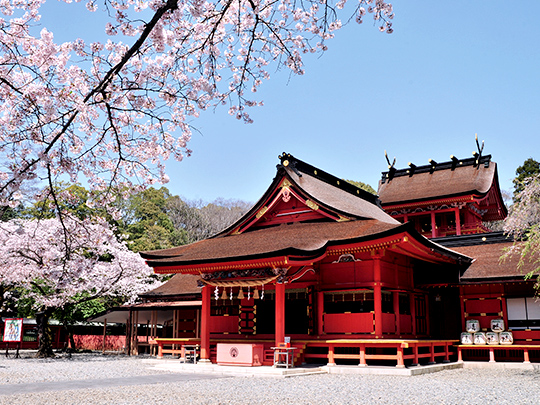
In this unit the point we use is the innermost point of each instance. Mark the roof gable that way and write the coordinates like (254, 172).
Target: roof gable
(302, 193)
(473, 179)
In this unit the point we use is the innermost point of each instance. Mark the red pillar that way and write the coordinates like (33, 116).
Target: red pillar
(458, 222)
(433, 225)
(205, 324)
(280, 313)
(377, 296)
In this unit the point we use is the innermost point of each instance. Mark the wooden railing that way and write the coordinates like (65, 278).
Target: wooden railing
(515, 350)
(364, 351)
(367, 350)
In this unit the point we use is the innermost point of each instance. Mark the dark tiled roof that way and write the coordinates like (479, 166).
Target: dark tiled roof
(447, 182)
(179, 284)
(339, 199)
(488, 265)
(295, 239)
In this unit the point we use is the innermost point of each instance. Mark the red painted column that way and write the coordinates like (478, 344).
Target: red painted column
(320, 312)
(205, 324)
(458, 222)
(280, 313)
(362, 355)
(433, 225)
(377, 296)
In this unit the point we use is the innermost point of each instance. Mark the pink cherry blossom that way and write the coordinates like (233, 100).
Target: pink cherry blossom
(55, 270)
(110, 114)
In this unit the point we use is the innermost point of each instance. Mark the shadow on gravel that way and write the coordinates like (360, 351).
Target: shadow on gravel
(13, 389)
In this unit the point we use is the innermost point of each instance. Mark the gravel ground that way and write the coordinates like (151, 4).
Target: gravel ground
(461, 386)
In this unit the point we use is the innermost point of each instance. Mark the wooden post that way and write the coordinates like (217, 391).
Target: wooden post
(458, 222)
(331, 360)
(280, 313)
(320, 313)
(104, 334)
(432, 353)
(128, 334)
(491, 355)
(197, 324)
(526, 355)
(400, 362)
(205, 324)
(362, 355)
(415, 352)
(433, 225)
(377, 296)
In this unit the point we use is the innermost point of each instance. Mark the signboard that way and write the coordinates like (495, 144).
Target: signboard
(13, 330)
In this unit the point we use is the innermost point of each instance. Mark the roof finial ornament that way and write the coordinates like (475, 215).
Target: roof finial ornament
(391, 168)
(478, 154)
(288, 160)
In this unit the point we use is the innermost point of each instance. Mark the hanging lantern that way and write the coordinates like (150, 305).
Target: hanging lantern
(224, 295)
(216, 293)
(241, 294)
(256, 294)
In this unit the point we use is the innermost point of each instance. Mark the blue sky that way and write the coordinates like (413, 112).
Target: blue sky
(450, 69)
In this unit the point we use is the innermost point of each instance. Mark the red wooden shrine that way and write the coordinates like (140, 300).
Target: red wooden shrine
(320, 261)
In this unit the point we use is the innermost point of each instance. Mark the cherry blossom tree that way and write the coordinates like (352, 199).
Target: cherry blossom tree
(67, 263)
(523, 225)
(109, 114)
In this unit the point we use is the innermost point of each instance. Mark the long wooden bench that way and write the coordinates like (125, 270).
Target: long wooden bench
(493, 348)
(175, 344)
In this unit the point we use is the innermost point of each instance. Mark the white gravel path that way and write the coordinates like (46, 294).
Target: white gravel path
(461, 386)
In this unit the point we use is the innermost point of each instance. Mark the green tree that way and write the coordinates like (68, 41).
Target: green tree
(146, 222)
(72, 198)
(529, 168)
(363, 186)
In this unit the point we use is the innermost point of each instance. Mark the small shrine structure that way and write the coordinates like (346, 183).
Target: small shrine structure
(319, 261)
(444, 199)
(454, 203)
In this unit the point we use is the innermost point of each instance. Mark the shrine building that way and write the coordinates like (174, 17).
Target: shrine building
(350, 277)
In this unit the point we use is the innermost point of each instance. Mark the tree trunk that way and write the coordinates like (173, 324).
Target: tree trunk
(70, 337)
(44, 334)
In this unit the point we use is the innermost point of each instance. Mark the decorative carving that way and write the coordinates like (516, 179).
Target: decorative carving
(285, 184)
(312, 205)
(261, 212)
(346, 258)
(251, 273)
(286, 194)
(474, 208)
